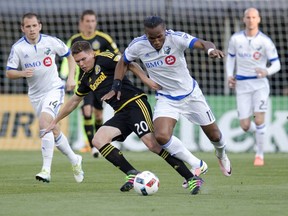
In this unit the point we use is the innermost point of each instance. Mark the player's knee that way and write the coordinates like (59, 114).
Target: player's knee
(162, 138)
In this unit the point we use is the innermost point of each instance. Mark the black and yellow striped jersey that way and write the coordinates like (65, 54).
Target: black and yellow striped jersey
(100, 80)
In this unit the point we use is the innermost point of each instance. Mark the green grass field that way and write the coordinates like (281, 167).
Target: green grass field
(249, 191)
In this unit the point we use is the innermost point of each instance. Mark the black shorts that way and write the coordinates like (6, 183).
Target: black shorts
(91, 99)
(135, 117)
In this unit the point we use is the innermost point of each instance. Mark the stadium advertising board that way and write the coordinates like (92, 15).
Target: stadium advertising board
(19, 126)
(226, 115)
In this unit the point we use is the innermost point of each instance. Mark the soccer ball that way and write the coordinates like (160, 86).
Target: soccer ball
(146, 183)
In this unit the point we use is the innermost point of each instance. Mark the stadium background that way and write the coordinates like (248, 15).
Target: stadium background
(213, 20)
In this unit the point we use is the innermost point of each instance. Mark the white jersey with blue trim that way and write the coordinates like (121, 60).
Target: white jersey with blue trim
(251, 52)
(41, 58)
(167, 66)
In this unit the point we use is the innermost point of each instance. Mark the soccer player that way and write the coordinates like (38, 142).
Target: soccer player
(132, 113)
(100, 42)
(162, 53)
(251, 49)
(34, 54)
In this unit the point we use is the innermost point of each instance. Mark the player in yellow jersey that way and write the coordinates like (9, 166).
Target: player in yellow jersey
(100, 42)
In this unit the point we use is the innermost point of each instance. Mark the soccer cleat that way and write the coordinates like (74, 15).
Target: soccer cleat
(225, 165)
(195, 184)
(203, 169)
(258, 161)
(43, 176)
(95, 153)
(77, 170)
(128, 185)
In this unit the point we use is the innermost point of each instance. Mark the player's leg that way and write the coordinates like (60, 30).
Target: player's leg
(47, 148)
(260, 101)
(197, 111)
(141, 120)
(50, 108)
(87, 112)
(102, 141)
(166, 114)
(193, 182)
(98, 117)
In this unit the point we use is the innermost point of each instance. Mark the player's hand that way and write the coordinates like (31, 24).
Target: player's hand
(231, 82)
(48, 129)
(111, 94)
(261, 73)
(70, 84)
(216, 54)
(29, 72)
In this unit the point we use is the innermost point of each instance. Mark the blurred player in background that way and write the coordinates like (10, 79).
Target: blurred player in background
(251, 50)
(100, 42)
(132, 113)
(34, 54)
(162, 52)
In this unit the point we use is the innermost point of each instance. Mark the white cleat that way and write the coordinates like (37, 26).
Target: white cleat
(77, 170)
(225, 165)
(203, 169)
(43, 176)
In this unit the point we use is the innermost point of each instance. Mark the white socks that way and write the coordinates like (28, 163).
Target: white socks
(177, 149)
(47, 148)
(220, 147)
(260, 137)
(252, 127)
(63, 146)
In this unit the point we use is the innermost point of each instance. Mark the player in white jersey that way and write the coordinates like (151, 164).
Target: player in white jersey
(33, 57)
(251, 50)
(162, 53)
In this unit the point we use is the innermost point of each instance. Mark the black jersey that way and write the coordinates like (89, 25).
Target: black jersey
(100, 80)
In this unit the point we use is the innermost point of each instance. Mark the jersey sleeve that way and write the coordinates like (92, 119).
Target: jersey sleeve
(183, 40)
(271, 50)
(61, 48)
(13, 60)
(231, 47)
(130, 53)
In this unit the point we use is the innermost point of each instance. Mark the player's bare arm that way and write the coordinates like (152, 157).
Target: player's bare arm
(70, 85)
(210, 48)
(120, 71)
(16, 74)
(65, 111)
(137, 70)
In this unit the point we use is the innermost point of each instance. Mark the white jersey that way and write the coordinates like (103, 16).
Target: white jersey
(40, 57)
(251, 52)
(168, 66)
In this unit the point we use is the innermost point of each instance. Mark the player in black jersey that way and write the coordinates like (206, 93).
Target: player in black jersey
(132, 113)
(100, 42)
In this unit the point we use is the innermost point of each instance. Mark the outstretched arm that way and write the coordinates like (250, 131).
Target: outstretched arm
(137, 70)
(209, 48)
(70, 85)
(65, 111)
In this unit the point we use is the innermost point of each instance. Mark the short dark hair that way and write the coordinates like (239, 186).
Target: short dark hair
(80, 46)
(87, 12)
(153, 21)
(29, 16)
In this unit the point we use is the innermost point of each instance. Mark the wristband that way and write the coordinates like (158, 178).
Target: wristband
(210, 50)
(117, 84)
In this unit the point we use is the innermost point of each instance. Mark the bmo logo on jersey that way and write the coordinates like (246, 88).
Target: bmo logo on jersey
(32, 64)
(47, 61)
(257, 55)
(170, 60)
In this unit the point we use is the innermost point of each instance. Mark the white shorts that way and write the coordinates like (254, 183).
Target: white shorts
(249, 102)
(194, 107)
(49, 103)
